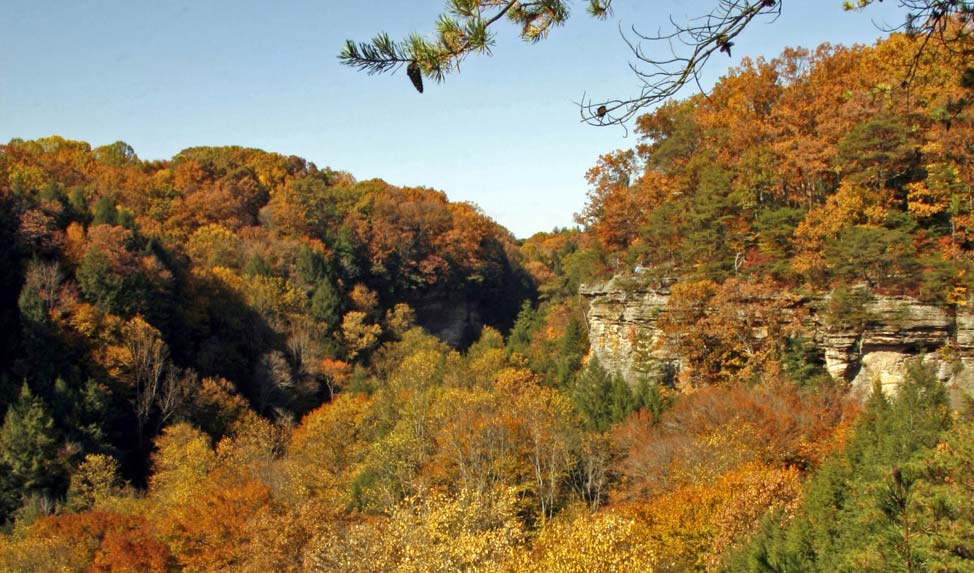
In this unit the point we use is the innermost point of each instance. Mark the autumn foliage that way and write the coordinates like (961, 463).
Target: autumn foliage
(234, 360)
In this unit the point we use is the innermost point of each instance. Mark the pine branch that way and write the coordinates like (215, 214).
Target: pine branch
(468, 32)
(378, 56)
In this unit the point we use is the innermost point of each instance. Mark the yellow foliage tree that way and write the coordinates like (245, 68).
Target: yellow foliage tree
(583, 542)
(328, 444)
(213, 245)
(360, 336)
(182, 461)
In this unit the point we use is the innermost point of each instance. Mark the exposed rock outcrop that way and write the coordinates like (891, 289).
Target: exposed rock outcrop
(898, 329)
(623, 314)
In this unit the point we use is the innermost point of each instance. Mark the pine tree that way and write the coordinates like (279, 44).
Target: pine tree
(592, 395)
(256, 265)
(857, 513)
(648, 397)
(326, 305)
(574, 344)
(29, 444)
(311, 266)
(105, 212)
(621, 400)
(519, 339)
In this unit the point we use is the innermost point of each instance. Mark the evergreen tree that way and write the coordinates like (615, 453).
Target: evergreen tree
(126, 219)
(876, 255)
(256, 265)
(79, 205)
(857, 513)
(29, 443)
(520, 337)
(574, 345)
(9, 494)
(591, 394)
(648, 397)
(804, 363)
(311, 266)
(602, 398)
(941, 503)
(122, 291)
(84, 412)
(326, 305)
(105, 212)
(621, 401)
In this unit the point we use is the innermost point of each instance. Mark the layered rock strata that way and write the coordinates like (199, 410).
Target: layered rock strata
(623, 314)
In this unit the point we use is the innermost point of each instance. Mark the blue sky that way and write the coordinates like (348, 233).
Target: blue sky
(504, 134)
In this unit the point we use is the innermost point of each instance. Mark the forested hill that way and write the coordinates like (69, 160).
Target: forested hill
(814, 169)
(230, 264)
(820, 174)
(215, 362)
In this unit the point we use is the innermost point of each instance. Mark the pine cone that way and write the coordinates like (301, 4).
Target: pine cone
(415, 76)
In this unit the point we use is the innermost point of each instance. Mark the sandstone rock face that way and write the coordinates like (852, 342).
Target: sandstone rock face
(899, 329)
(623, 315)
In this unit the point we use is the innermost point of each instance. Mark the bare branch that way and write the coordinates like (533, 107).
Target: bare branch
(663, 63)
(690, 44)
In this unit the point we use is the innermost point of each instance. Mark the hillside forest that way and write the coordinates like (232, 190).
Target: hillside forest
(234, 360)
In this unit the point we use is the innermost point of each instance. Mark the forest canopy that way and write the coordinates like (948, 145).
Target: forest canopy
(236, 360)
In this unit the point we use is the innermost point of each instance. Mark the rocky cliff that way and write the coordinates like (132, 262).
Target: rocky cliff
(623, 315)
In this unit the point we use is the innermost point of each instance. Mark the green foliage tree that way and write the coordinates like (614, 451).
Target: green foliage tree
(875, 255)
(326, 305)
(573, 345)
(848, 308)
(311, 266)
(940, 501)
(647, 396)
(601, 398)
(118, 154)
(105, 212)
(257, 265)
(126, 219)
(858, 512)
(29, 445)
(591, 395)
(78, 200)
(775, 229)
(878, 151)
(83, 411)
(804, 363)
(519, 339)
(101, 284)
(113, 275)
(10, 494)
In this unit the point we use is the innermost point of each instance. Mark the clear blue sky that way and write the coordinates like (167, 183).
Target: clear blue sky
(504, 134)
